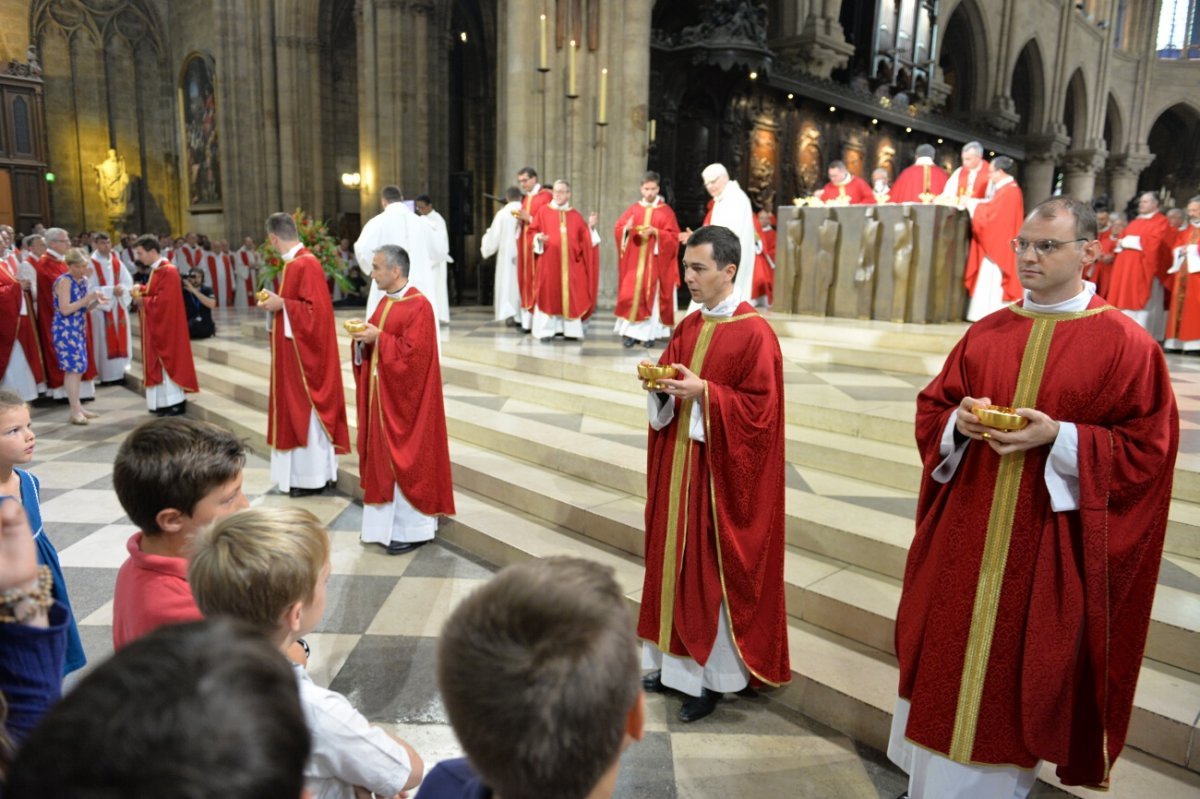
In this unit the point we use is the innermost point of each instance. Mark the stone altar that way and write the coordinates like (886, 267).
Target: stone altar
(898, 263)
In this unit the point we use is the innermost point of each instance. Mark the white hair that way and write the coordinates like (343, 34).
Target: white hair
(973, 146)
(714, 171)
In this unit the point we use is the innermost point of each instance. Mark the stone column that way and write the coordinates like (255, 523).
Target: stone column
(1042, 155)
(821, 46)
(1123, 171)
(1079, 172)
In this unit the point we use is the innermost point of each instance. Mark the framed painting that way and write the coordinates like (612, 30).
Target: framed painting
(198, 120)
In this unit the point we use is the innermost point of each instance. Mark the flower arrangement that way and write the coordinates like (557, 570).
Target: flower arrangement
(314, 234)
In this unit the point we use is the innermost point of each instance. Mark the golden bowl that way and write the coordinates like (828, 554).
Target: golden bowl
(263, 295)
(137, 291)
(1000, 417)
(354, 325)
(642, 228)
(651, 374)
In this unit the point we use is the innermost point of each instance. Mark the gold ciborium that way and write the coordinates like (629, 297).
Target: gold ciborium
(651, 374)
(263, 296)
(138, 291)
(1000, 417)
(354, 325)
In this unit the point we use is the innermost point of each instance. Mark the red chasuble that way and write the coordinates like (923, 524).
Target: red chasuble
(1020, 629)
(1184, 320)
(165, 342)
(1133, 270)
(116, 321)
(401, 417)
(919, 183)
(993, 227)
(15, 329)
(48, 269)
(855, 191)
(1100, 272)
(976, 188)
(764, 270)
(715, 512)
(306, 374)
(532, 203)
(643, 277)
(566, 272)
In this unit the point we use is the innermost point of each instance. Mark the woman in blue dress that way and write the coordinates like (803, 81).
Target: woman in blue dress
(72, 300)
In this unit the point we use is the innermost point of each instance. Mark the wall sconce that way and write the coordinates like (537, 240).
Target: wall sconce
(351, 180)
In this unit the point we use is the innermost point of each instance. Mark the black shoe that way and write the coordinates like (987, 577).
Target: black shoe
(652, 682)
(179, 409)
(698, 707)
(305, 492)
(651, 344)
(400, 547)
(628, 342)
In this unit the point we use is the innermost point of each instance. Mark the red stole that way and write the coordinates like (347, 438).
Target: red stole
(166, 345)
(644, 277)
(764, 270)
(25, 326)
(191, 255)
(993, 227)
(566, 274)
(220, 277)
(401, 417)
(247, 260)
(116, 321)
(978, 187)
(306, 374)
(1020, 629)
(1133, 271)
(526, 261)
(715, 511)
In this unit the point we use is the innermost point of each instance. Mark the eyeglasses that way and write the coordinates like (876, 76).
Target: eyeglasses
(1042, 247)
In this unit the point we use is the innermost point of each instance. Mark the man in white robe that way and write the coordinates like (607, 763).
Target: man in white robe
(398, 225)
(441, 296)
(115, 282)
(731, 209)
(500, 240)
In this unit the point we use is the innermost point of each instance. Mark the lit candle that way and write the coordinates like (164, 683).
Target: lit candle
(543, 64)
(602, 117)
(571, 71)
(652, 128)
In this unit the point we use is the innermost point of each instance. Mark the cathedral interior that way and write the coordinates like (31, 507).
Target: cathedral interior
(209, 115)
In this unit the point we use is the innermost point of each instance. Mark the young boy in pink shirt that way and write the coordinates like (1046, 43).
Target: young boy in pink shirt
(173, 476)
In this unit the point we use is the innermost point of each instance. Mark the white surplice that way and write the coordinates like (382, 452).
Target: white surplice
(396, 224)
(109, 369)
(501, 240)
(441, 292)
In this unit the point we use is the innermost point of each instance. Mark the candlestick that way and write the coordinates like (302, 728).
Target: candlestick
(571, 92)
(543, 61)
(602, 117)
(653, 127)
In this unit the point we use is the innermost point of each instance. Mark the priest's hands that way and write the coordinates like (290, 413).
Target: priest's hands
(685, 235)
(368, 335)
(687, 387)
(272, 303)
(968, 423)
(1040, 430)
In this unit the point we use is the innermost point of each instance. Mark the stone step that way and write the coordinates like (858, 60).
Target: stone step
(863, 356)
(930, 339)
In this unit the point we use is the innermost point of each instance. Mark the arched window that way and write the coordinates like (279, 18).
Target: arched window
(1176, 24)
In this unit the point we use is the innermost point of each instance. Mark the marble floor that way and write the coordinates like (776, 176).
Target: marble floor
(376, 643)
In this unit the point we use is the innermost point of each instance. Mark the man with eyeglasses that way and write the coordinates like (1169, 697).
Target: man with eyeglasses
(1139, 271)
(991, 275)
(1030, 579)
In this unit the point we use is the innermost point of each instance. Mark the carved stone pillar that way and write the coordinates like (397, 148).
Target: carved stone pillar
(1079, 172)
(1002, 114)
(1123, 171)
(1042, 154)
(821, 46)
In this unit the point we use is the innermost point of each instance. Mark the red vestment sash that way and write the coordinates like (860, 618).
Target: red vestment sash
(1020, 629)
(116, 321)
(715, 510)
(247, 260)
(856, 191)
(1133, 271)
(764, 271)
(166, 345)
(566, 273)
(401, 416)
(978, 188)
(526, 260)
(22, 330)
(644, 277)
(993, 227)
(306, 374)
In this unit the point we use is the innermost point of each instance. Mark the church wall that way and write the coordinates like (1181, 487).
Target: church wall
(14, 32)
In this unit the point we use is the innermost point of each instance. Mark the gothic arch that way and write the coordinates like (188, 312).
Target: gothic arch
(1027, 87)
(1114, 125)
(963, 57)
(1075, 110)
(1174, 139)
(132, 21)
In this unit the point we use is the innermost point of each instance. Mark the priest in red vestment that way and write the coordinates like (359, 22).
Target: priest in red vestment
(306, 425)
(647, 236)
(166, 348)
(566, 271)
(48, 269)
(1030, 579)
(112, 337)
(20, 352)
(991, 274)
(922, 182)
(763, 290)
(1140, 268)
(1099, 272)
(712, 614)
(844, 188)
(403, 452)
(969, 182)
(537, 197)
(1183, 322)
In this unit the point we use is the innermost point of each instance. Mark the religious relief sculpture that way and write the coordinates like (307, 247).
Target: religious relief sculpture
(808, 156)
(763, 156)
(112, 181)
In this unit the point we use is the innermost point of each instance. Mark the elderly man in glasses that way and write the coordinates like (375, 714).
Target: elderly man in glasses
(991, 275)
(1140, 269)
(1039, 531)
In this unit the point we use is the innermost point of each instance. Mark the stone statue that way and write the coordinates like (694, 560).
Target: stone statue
(113, 182)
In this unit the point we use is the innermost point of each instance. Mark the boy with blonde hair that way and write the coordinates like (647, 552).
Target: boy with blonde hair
(269, 567)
